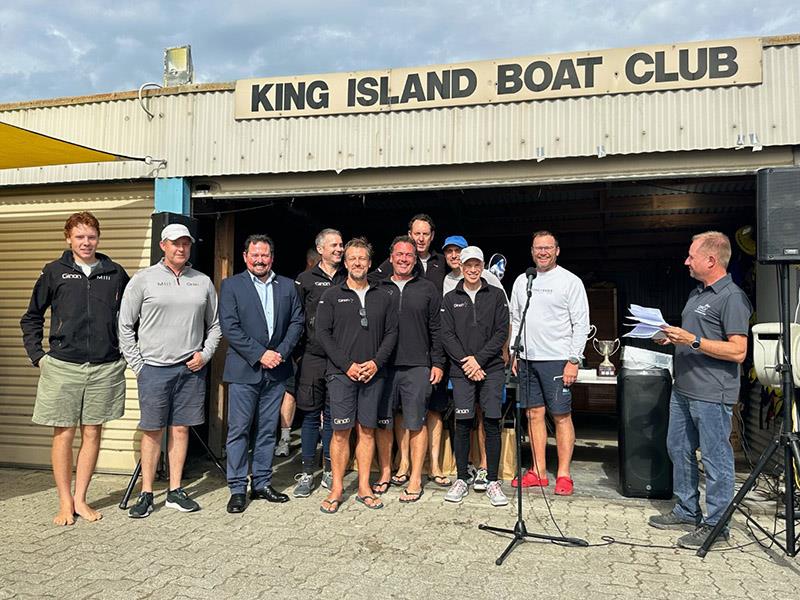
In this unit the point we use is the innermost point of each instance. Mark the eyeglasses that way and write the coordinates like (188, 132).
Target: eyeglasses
(544, 248)
(362, 312)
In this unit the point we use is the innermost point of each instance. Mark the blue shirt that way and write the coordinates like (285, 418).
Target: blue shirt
(264, 290)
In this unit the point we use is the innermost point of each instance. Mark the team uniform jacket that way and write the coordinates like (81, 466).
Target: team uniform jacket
(435, 273)
(311, 285)
(84, 311)
(340, 333)
(476, 329)
(418, 308)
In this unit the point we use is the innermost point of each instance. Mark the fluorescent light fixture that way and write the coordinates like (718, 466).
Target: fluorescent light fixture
(178, 68)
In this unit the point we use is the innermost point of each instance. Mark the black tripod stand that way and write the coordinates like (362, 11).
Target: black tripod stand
(787, 439)
(520, 532)
(138, 470)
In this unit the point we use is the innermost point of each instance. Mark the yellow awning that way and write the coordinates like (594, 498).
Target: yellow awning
(22, 148)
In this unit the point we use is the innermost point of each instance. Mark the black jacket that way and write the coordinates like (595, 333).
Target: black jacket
(311, 285)
(341, 334)
(478, 329)
(435, 273)
(83, 311)
(418, 308)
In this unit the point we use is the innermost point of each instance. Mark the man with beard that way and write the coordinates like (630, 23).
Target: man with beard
(358, 330)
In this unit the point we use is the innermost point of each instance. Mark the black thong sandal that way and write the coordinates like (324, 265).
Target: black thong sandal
(400, 480)
(375, 505)
(441, 480)
(380, 488)
(333, 506)
(414, 496)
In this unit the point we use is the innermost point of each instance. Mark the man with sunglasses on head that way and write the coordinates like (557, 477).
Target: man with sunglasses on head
(357, 328)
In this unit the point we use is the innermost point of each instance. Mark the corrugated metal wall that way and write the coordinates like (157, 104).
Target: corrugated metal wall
(31, 235)
(197, 134)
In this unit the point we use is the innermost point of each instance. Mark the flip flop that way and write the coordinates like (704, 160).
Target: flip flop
(333, 507)
(376, 504)
(440, 480)
(415, 496)
(380, 488)
(400, 480)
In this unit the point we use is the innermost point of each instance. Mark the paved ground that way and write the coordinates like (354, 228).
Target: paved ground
(429, 549)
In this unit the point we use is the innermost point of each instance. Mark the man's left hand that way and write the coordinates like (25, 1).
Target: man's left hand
(271, 359)
(368, 370)
(436, 375)
(570, 374)
(676, 335)
(195, 363)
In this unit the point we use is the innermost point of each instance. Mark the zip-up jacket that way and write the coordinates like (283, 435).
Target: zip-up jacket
(435, 272)
(476, 329)
(311, 285)
(418, 307)
(83, 311)
(342, 335)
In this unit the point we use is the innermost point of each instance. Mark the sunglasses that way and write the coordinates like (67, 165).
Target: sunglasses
(362, 312)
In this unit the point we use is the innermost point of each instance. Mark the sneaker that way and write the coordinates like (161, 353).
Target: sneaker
(327, 479)
(457, 492)
(480, 481)
(694, 540)
(305, 485)
(143, 506)
(494, 492)
(179, 500)
(471, 472)
(282, 448)
(531, 479)
(671, 521)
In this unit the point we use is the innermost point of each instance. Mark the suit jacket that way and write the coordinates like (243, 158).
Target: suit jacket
(241, 317)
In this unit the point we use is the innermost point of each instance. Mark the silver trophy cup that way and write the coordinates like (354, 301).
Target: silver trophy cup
(606, 348)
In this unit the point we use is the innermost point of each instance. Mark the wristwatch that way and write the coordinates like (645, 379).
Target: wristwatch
(696, 343)
(573, 360)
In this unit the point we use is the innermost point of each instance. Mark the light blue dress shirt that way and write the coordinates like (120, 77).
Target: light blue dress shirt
(264, 290)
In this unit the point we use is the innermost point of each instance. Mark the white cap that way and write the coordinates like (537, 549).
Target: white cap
(175, 231)
(471, 252)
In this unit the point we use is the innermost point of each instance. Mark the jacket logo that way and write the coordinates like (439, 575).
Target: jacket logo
(70, 276)
(459, 305)
(345, 299)
(322, 283)
(104, 277)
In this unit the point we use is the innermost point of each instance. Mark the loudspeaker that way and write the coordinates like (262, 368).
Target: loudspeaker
(645, 470)
(779, 215)
(160, 220)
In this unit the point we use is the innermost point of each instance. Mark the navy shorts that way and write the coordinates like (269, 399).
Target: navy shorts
(352, 401)
(310, 382)
(406, 389)
(541, 384)
(171, 395)
(488, 393)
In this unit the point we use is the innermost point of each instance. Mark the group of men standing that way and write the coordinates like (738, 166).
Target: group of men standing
(373, 351)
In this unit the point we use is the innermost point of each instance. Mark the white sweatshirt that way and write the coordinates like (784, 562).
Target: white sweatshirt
(557, 323)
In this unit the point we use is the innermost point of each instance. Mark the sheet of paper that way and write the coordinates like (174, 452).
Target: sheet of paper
(646, 322)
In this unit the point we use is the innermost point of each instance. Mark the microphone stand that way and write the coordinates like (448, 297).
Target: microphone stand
(520, 531)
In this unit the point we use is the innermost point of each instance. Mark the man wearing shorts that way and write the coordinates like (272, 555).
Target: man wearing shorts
(416, 365)
(82, 376)
(176, 308)
(553, 337)
(358, 330)
(474, 330)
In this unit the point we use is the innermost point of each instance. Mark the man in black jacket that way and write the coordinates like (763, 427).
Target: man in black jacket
(474, 330)
(416, 365)
(82, 376)
(358, 330)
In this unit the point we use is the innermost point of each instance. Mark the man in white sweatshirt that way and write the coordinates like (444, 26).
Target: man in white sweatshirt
(554, 334)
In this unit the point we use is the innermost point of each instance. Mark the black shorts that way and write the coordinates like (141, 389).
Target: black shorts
(310, 382)
(541, 384)
(406, 389)
(352, 401)
(489, 393)
(439, 400)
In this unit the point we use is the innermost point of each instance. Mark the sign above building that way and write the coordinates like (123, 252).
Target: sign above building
(620, 71)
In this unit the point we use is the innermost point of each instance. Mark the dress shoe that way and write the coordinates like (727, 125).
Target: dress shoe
(269, 494)
(237, 503)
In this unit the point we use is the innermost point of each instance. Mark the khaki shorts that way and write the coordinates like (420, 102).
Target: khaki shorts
(71, 394)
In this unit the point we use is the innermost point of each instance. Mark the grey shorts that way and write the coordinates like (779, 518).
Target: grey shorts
(310, 382)
(489, 393)
(352, 401)
(407, 389)
(171, 395)
(540, 384)
(72, 394)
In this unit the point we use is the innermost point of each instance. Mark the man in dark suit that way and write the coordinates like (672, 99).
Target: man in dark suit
(262, 319)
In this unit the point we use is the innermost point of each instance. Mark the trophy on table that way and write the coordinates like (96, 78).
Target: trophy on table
(606, 348)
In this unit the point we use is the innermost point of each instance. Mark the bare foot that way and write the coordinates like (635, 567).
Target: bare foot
(64, 517)
(86, 512)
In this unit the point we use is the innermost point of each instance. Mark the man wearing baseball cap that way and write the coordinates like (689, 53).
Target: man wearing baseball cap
(176, 308)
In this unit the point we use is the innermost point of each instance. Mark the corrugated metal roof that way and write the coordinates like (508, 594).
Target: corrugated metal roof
(197, 134)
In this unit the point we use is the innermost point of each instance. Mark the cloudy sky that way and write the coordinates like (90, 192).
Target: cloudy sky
(51, 48)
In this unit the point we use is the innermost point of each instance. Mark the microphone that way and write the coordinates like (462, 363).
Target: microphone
(530, 273)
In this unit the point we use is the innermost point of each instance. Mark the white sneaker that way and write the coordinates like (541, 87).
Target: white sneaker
(457, 492)
(327, 479)
(282, 448)
(495, 494)
(481, 480)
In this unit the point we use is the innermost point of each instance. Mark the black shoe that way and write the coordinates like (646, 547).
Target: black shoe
(237, 503)
(269, 494)
(696, 539)
(143, 506)
(179, 500)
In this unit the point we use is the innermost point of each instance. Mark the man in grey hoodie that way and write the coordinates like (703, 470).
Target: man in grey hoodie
(178, 332)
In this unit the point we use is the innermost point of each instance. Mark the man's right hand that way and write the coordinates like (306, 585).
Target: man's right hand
(514, 367)
(271, 359)
(354, 372)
